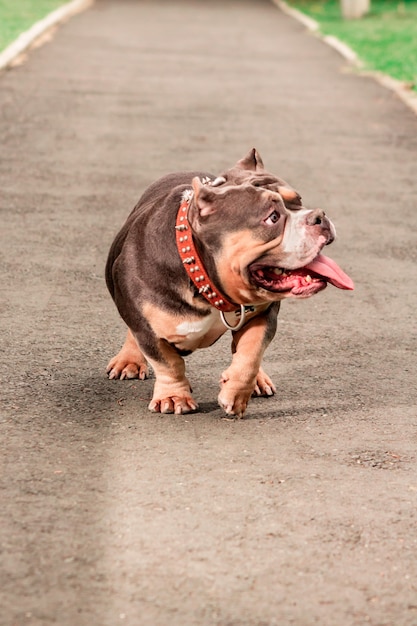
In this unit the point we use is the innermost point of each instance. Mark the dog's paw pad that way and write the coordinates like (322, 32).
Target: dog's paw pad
(178, 405)
(263, 391)
(264, 385)
(127, 371)
(233, 404)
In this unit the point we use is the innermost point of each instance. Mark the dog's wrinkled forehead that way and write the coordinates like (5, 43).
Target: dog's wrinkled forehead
(250, 170)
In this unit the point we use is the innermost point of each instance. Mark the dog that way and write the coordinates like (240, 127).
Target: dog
(202, 254)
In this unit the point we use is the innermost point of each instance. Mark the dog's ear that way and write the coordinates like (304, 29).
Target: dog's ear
(289, 195)
(204, 198)
(252, 161)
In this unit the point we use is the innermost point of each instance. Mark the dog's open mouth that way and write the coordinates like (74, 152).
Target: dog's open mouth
(304, 281)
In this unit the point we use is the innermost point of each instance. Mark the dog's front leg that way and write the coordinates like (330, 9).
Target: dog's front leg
(245, 376)
(172, 391)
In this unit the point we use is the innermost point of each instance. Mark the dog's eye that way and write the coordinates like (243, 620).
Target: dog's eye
(272, 219)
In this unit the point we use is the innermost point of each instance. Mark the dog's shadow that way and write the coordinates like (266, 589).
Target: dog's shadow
(93, 399)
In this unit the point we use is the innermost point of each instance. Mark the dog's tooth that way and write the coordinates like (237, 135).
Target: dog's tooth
(308, 278)
(278, 271)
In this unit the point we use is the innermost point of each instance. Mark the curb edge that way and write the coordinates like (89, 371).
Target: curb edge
(397, 86)
(27, 38)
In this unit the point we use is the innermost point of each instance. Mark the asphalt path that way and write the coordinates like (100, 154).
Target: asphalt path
(302, 513)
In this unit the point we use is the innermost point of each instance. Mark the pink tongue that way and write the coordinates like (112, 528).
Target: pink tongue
(329, 269)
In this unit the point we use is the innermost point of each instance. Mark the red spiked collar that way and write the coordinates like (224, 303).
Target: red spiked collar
(192, 261)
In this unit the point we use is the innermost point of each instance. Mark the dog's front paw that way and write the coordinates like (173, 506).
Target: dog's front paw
(264, 385)
(234, 396)
(173, 404)
(122, 367)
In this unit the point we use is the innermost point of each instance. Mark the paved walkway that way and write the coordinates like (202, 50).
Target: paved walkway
(303, 513)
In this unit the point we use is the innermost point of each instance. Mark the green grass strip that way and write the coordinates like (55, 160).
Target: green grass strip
(385, 39)
(16, 16)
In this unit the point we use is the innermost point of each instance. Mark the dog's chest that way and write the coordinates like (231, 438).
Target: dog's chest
(193, 332)
(198, 333)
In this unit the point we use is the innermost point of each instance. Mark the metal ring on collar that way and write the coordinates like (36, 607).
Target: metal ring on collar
(240, 322)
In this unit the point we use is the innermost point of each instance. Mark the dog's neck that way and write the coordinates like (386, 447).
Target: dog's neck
(193, 263)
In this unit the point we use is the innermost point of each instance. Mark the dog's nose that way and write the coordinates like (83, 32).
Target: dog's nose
(317, 217)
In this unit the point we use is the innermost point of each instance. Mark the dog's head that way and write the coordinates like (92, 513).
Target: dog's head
(265, 244)
(251, 170)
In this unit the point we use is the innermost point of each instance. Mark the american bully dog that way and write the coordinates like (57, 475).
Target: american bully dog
(202, 254)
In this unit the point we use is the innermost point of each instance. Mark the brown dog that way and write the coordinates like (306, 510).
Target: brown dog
(199, 255)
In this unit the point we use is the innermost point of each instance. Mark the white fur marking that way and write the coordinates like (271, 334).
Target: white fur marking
(188, 328)
(199, 328)
(294, 235)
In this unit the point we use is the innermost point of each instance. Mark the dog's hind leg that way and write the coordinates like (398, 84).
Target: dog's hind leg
(129, 362)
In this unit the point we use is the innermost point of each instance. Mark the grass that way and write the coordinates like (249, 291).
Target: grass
(385, 39)
(16, 16)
